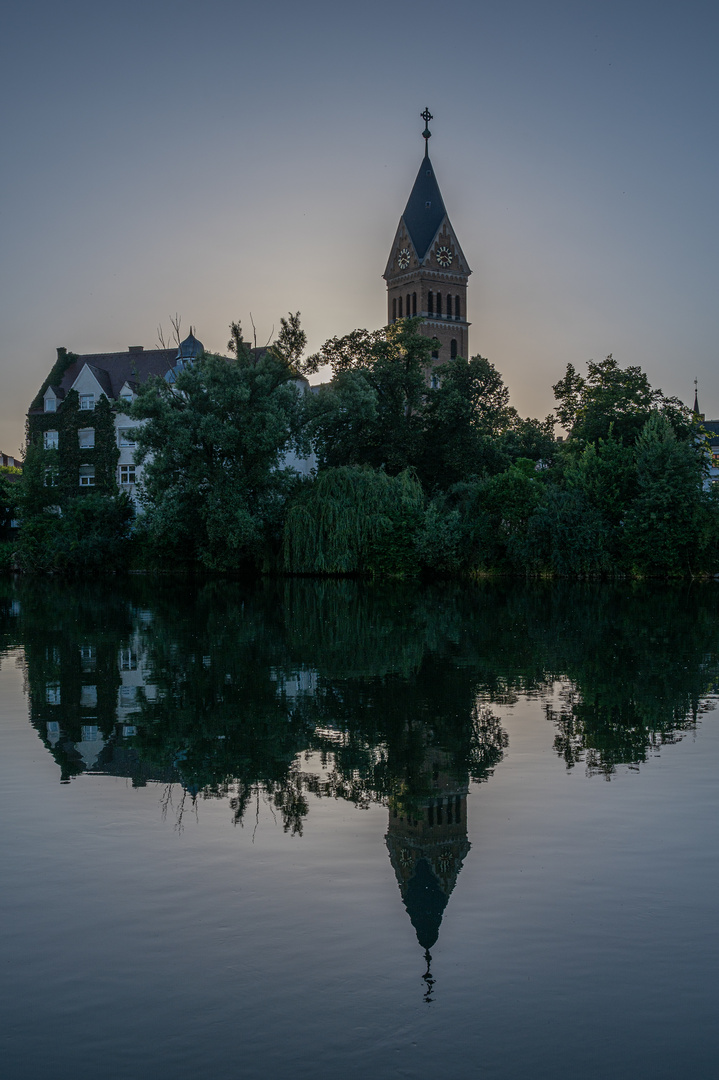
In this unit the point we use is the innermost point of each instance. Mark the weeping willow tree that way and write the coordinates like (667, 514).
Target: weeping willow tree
(354, 520)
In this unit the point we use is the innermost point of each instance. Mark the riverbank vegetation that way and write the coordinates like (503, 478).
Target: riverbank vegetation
(413, 476)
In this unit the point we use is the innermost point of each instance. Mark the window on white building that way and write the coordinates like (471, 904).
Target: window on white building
(128, 730)
(87, 401)
(126, 398)
(127, 474)
(86, 437)
(87, 476)
(50, 479)
(50, 404)
(52, 693)
(126, 436)
(88, 657)
(128, 660)
(50, 440)
(88, 697)
(90, 732)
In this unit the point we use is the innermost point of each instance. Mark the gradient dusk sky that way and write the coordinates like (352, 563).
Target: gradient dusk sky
(227, 158)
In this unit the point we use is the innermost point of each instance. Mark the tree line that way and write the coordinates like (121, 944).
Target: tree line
(399, 676)
(414, 476)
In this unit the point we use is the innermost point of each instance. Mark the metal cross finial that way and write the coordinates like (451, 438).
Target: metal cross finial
(426, 134)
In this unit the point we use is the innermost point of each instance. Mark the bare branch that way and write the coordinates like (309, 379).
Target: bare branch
(176, 323)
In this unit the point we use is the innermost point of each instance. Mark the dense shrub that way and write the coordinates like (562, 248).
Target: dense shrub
(90, 536)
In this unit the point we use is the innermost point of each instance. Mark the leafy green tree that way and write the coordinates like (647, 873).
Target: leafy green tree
(614, 399)
(354, 520)
(669, 523)
(605, 473)
(213, 445)
(481, 524)
(565, 535)
(528, 438)
(463, 420)
(371, 411)
(9, 491)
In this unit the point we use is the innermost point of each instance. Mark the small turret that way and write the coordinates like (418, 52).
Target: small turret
(190, 348)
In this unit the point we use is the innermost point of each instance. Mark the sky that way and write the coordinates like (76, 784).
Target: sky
(231, 160)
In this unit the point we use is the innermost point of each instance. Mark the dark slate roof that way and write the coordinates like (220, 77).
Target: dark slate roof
(113, 370)
(190, 348)
(103, 377)
(425, 210)
(712, 426)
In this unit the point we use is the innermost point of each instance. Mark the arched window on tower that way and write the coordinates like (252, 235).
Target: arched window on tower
(414, 303)
(439, 305)
(394, 309)
(430, 303)
(408, 309)
(453, 348)
(435, 354)
(400, 307)
(456, 308)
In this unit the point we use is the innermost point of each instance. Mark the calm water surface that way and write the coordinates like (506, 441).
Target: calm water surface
(327, 830)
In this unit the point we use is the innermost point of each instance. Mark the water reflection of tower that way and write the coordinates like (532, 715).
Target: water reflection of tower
(427, 844)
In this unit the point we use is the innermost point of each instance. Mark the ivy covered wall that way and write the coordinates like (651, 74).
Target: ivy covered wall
(63, 464)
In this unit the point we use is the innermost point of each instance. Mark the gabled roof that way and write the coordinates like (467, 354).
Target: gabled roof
(113, 370)
(103, 379)
(425, 210)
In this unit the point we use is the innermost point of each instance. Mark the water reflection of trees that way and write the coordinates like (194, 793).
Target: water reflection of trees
(226, 688)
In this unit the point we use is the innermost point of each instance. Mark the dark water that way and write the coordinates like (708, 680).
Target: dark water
(320, 829)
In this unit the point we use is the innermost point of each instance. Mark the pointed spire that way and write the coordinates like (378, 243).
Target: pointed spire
(425, 210)
(696, 398)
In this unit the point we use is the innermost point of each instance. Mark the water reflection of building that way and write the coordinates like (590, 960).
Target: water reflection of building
(427, 843)
(85, 695)
(93, 692)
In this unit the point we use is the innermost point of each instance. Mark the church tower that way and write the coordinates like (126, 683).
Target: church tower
(427, 272)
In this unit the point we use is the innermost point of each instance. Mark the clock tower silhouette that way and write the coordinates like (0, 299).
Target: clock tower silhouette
(427, 272)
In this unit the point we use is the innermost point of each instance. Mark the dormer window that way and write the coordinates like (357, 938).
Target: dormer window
(50, 404)
(126, 397)
(87, 401)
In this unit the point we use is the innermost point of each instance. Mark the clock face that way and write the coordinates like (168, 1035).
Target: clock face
(403, 259)
(444, 256)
